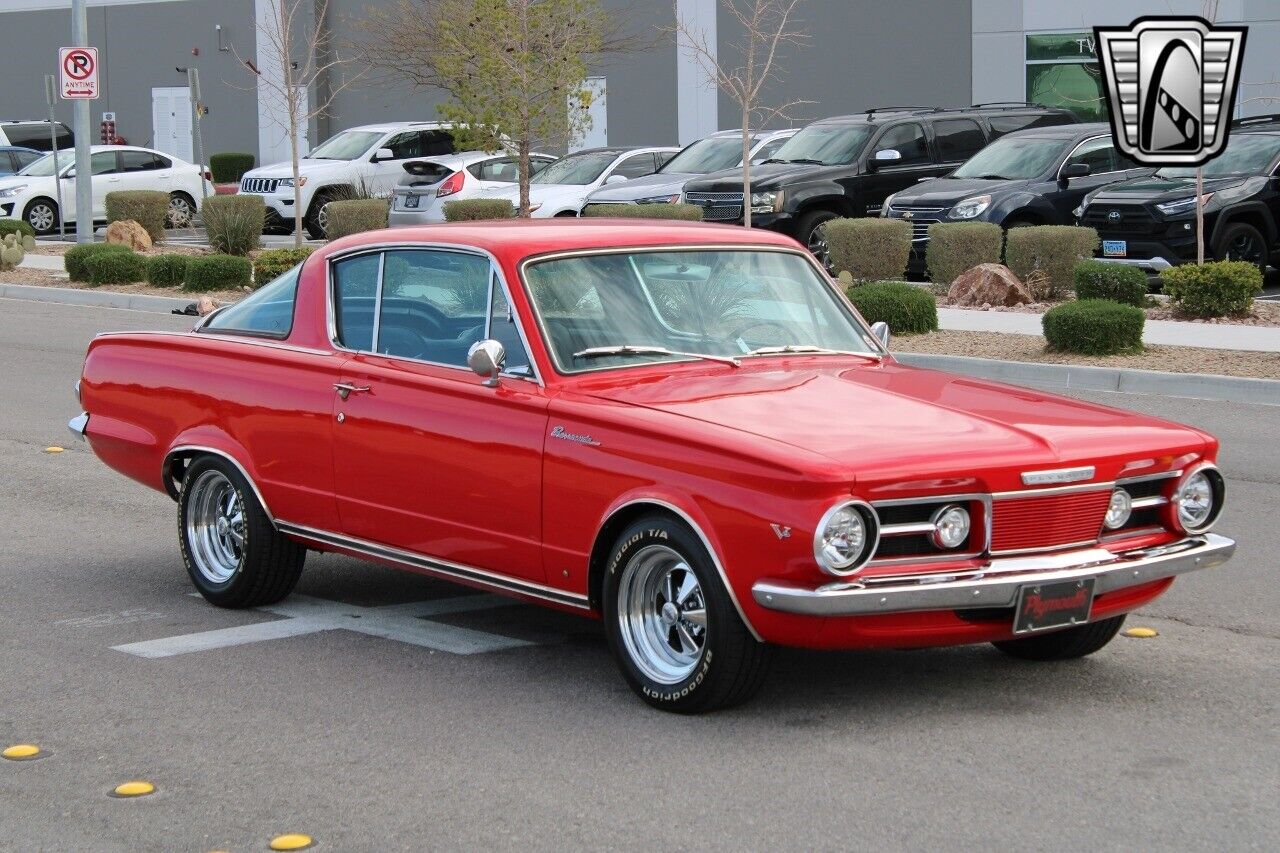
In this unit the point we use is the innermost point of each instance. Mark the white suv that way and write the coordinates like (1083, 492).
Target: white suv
(364, 160)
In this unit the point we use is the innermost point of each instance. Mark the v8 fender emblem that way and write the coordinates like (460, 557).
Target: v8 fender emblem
(780, 531)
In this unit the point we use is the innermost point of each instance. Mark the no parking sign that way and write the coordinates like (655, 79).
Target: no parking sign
(78, 70)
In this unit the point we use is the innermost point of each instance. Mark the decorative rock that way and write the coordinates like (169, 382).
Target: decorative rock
(206, 306)
(988, 285)
(129, 233)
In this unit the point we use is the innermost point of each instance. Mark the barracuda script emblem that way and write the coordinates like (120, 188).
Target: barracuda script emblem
(563, 434)
(1171, 85)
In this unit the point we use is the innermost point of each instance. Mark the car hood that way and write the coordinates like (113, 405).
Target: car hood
(646, 187)
(945, 192)
(763, 177)
(1160, 190)
(542, 194)
(896, 423)
(310, 168)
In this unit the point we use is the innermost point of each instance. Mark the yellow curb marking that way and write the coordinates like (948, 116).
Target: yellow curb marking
(134, 789)
(54, 449)
(21, 751)
(1142, 633)
(292, 841)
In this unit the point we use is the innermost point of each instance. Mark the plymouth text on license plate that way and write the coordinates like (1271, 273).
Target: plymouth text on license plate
(1115, 248)
(1053, 605)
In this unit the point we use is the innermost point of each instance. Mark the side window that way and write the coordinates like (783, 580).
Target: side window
(909, 141)
(663, 156)
(958, 139)
(9, 161)
(537, 164)
(434, 143)
(1097, 154)
(355, 289)
(26, 158)
(268, 312)
(434, 305)
(404, 145)
(25, 135)
(138, 161)
(769, 148)
(502, 169)
(503, 329)
(636, 166)
(103, 163)
(64, 139)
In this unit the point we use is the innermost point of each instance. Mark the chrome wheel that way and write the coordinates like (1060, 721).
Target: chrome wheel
(662, 614)
(42, 217)
(215, 526)
(818, 246)
(181, 212)
(322, 219)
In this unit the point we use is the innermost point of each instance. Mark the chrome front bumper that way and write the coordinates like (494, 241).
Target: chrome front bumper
(78, 425)
(1154, 265)
(996, 584)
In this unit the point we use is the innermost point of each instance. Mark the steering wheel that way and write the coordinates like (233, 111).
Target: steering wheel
(759, 324)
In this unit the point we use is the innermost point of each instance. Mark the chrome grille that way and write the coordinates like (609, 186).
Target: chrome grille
(258, 185)
(921, 218)
(717, 207)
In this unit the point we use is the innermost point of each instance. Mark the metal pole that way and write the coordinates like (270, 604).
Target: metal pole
(51, 96)
(84, 172)
(193, 84)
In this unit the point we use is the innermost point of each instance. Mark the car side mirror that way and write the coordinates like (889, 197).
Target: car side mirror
(883, 157)
(616, 179)
(486, 359)
(68, 175)
(881, 331)
(1073, 170)
(383, 154)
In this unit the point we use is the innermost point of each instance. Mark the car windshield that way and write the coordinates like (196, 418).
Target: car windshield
(707, 155)
(634, 308)
(579, 169)
(1012, 157)
(347, 145)
(1246, 154)
(44, 167)
(825, 144)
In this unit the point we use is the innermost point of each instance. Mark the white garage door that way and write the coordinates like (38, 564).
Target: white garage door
(171, 121)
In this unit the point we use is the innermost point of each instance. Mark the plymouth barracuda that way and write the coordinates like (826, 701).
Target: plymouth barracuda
(683, 430)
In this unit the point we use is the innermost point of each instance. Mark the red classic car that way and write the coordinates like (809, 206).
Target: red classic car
(685, 430)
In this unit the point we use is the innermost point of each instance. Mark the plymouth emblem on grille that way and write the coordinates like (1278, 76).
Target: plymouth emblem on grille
(1057, 476)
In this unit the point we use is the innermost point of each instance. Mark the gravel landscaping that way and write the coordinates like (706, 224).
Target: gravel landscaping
(45, 278)
(1002, 347)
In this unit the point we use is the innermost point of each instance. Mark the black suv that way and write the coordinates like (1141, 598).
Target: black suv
(1150, 222)
(848, 166)
(1032, 177)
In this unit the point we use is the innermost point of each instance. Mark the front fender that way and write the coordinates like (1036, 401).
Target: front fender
(1254, 211)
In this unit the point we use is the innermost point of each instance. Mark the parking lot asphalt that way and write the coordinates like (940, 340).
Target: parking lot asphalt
(467, 724)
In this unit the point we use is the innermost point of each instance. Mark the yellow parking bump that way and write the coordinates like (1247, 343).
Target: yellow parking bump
(1142, 633)
(22, 752)
(54, 449)
(133, 789)
(292, 841)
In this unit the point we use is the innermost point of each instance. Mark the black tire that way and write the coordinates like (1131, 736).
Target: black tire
(730, 664)
(1066, 644)
(266, 563)
(1240, 241)
(314, 222)
(34, 212)
(177, 218)
(807, 232)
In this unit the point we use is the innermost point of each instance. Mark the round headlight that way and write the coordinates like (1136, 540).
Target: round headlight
(846, 537)
(1198, 500)
(950, 527)
(1119, 510)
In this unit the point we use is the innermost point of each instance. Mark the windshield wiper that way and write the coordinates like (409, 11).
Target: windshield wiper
(631, 349)
(808, 161)
(993, 178)
(810, 349)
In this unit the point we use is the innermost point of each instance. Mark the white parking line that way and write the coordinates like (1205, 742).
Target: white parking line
(408, 623)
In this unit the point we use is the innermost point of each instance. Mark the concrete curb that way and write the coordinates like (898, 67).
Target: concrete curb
(96, 298)
(1199, 386)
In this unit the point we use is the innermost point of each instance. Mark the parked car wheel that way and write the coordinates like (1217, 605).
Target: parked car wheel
(1066, 644)
(182, 211)
(42, 215)
(1242, 242)
(809, 231)
(232, 551)
(317, 219)
(671, 625)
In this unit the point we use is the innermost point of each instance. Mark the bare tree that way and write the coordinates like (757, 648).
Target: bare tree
(767, 26)
(300, 49)
(512, 70)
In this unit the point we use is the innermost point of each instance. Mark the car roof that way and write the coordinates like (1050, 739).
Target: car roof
(877, 115)
(388, 126)
(18, 148)
(1063, 131)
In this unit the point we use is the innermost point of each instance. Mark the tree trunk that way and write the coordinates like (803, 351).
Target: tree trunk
(297, 178)
(1200, 215)
(523, 147)
(746, 167)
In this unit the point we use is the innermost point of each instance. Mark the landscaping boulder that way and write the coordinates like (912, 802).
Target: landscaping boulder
(989, 284)
(129, 233)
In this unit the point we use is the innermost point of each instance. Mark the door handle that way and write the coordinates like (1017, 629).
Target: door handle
(344, 390)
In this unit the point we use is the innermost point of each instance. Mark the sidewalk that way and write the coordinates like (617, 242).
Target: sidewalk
(1168, 332)
(52, 263)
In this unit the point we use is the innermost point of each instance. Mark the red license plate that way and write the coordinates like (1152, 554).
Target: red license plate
(1060, 604)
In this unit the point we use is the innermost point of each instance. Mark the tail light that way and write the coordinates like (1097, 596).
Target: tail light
(451, 184)
(207, 175)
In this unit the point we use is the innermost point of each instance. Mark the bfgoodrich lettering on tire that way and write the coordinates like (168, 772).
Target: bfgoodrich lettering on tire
(232, 551)
(671, 625)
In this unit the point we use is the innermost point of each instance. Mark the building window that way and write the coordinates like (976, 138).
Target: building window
(1062, 71)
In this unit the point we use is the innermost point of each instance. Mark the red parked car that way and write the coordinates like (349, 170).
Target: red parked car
(684, 430)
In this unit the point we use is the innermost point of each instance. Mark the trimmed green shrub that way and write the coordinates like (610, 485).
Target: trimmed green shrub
(1094, 327)
(1213, 289)
(167, 270)
(474, 209)
(148, 208)
(229, 168)
(1054, 250)
(76, 258)
(909, 310)
(1117, 282)
(234, 222)
(356, 217)
(956, 247)
(116, 268)
(870, 249)
(686, 212)
(217, 272)
(16, 226)
(273, 263)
